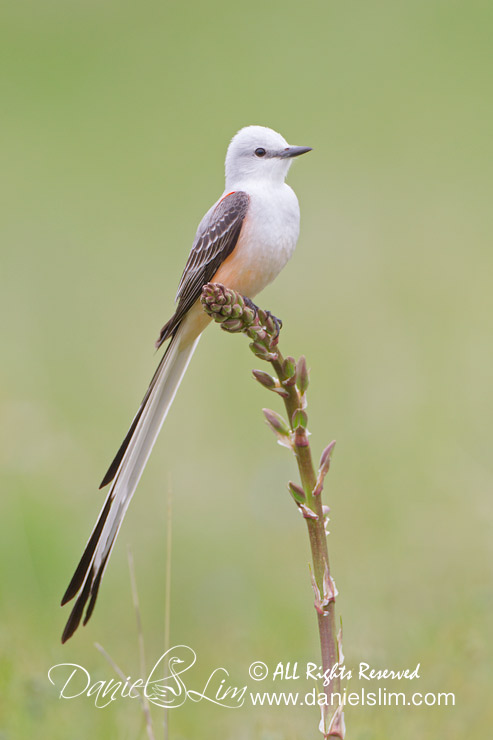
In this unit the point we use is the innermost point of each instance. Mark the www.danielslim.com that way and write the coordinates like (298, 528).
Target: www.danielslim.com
(380, 698)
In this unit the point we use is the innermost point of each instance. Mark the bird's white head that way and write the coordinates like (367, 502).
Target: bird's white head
(257, 153)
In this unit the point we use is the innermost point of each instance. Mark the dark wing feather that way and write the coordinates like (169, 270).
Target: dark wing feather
(216, 238)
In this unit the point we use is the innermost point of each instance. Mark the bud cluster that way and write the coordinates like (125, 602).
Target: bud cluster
(236, 314)
(227, 307)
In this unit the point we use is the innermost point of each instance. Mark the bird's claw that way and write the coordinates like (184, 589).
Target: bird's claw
(251, 304)
(277, 324)
(266, 318)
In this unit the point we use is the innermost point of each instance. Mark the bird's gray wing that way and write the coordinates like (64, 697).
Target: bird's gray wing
(216, 238)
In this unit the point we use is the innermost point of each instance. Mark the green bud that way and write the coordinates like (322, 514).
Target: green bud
(300, 419)
(262, 316)
(260, 351)
(296, 492)
(253, 332)
(325, 458)
(270, 325)
(289, 367)
(302, 375)
(248, 315)
(276, 422)
(323, 468)
(264, 379)
(232, 325)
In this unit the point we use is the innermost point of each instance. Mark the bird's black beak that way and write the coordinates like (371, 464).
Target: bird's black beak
(294, 151)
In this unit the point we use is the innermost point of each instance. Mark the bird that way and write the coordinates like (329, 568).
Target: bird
(243, 242)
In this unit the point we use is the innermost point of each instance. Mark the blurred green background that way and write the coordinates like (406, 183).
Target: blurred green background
(115, 122)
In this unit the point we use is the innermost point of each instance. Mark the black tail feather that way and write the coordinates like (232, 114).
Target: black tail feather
(85, 561)
(76, 613)
(95, 589)
(112, 470)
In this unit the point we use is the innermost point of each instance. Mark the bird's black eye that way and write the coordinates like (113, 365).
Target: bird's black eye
(260, 152)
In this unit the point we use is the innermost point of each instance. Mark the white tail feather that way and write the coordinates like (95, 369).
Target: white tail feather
(146, 433)
(157, 405)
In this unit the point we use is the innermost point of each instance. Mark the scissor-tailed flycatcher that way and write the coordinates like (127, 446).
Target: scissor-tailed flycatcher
(243, 242)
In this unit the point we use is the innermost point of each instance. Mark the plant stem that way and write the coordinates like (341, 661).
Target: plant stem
(316, 532)
(238, 314)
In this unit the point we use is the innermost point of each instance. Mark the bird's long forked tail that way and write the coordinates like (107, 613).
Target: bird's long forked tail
(125, 473)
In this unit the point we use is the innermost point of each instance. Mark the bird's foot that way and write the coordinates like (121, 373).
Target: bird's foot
(251, 304)
(269, 322)
(277, 325)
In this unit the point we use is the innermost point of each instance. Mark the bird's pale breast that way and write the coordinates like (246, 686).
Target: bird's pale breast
(267, 241)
